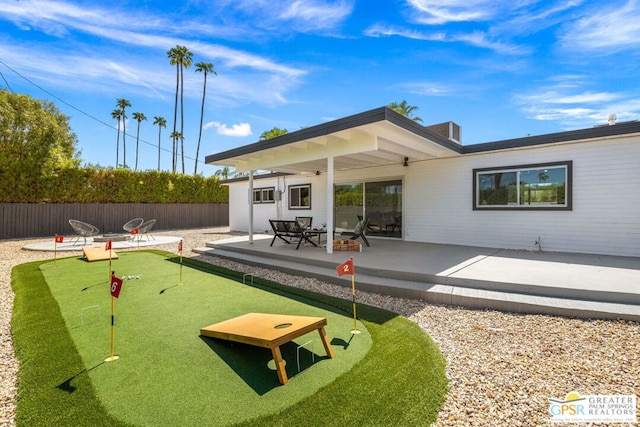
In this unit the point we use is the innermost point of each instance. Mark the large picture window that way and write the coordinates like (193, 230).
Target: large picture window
(300, 196)
(263, 195)
(541, 186)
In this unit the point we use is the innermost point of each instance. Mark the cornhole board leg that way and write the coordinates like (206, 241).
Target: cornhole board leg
(277, 358)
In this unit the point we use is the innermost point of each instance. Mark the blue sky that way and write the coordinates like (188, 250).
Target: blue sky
(500, 69)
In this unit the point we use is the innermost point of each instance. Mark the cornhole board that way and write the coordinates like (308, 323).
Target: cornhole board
(97, 253)
(269, 331)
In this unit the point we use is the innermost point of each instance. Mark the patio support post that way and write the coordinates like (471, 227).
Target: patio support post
(251, 207)
(330, 201)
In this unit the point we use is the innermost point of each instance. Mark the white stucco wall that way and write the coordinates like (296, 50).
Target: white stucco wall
(438, 200)
(262, 213)
(606, 201)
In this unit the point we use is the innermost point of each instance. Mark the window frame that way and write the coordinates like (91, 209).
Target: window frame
(567, 206)
(261, 191)
(290, 198)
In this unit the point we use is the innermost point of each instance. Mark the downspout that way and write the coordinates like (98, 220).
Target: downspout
(330, 201)
(251, 207)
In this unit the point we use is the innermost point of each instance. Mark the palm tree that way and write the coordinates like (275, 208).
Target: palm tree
(206, 68)
(405, 110)
(175, 136)
(223, 173)
(181, 57)
(162, 123)
(123, 104)
(117, 115)
(138, 117)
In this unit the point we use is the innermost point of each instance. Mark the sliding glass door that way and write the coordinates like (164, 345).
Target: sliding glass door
(380, 202)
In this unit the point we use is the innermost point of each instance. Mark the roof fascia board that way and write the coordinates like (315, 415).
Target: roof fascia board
(574, 135)
(350, 122)
(311, 132)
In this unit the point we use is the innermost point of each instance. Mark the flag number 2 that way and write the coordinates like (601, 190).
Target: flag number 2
(345, 268)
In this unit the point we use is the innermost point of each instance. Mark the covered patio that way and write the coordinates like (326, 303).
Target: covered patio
(566, 284)
(375, 138)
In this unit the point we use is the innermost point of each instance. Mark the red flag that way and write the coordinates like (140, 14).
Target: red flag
(180, 246)
(135, 231)
(107, 247)
(59, 239)
(116, 286)
(346, 268)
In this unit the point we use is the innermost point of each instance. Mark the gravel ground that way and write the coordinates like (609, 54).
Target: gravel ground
(502, 367)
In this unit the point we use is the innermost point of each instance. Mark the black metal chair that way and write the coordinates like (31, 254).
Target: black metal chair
(359, 231)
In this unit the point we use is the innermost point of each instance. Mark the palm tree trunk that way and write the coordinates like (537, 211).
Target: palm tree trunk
(137, 146)
(182, 116)
(118, 145)
(159, 132)
(174, 151)
(204, 92)
(124, 141)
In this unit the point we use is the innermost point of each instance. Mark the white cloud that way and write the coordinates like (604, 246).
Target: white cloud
(237, 130)
(285, 16)
(316, 14)
(133, 54)
(565, 103)
(433, 12)
(555, 97)
(477, 38)
(607, 30)
(428, 89)
(381, 30)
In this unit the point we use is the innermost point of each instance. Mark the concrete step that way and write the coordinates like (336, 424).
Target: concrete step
(507, 297)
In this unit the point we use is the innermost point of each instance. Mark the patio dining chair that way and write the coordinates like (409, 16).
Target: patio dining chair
(83, 229)
(145, 228)
(358, 232)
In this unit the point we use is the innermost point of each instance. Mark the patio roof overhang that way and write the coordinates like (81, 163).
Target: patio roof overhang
(374, 138)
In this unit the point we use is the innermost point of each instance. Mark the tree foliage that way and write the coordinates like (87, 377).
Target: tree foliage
(268, 134)
(36, 140)
(94, 184)
(405, 109)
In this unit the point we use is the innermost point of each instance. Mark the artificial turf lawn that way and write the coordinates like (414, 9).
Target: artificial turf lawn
(168, 375)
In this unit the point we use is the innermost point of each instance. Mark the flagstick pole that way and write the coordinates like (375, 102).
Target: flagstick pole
(353, 293)
(112, 357)
(55, 251)
(113, 309)
(181, 263)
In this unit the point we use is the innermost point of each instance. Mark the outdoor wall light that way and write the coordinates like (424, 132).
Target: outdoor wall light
(406, 162)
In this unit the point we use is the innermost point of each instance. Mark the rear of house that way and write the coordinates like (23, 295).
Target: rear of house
(576, 191)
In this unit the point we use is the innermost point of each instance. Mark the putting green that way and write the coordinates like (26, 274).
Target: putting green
(166, 373)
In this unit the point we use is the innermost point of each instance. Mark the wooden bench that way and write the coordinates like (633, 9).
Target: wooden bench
(289, 230)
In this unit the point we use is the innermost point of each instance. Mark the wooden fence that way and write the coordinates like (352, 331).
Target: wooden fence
(19, 220)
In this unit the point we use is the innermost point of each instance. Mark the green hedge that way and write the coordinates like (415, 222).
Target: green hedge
(98, 185)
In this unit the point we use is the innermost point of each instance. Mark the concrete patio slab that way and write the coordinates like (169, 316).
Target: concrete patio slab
(69, 245)
(566, 284)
